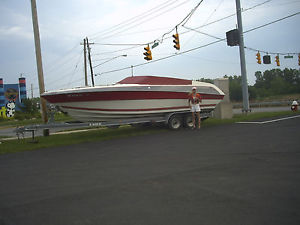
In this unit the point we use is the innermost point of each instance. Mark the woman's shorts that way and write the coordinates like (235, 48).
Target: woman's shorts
(195, 108)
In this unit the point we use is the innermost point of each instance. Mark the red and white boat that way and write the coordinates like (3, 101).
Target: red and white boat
(133, 97)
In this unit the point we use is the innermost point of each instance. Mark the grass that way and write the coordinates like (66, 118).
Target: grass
(3, 137)
(59, 117)
(101, 134)
(287, 97)
(249, 117)
(14, 146)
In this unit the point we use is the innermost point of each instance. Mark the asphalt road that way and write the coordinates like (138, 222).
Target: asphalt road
(242, 174)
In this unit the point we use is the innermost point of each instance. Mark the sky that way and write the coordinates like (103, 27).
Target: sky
(65, 23)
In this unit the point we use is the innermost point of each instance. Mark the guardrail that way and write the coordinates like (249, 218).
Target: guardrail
(264, 104)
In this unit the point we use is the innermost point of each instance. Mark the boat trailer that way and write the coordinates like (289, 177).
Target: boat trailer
(173, 120)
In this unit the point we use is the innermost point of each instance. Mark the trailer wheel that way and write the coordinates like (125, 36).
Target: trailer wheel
(188, 121)
(175, 122)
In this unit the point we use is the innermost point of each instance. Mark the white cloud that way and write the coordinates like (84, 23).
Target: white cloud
(15, 32)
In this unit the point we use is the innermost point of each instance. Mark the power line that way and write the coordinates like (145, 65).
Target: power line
(128, 21)
(275, 21)
(119, 44)
(252, 29)
(209, 35)
(146, 20)
(54, 64)
(192, 29)
(62, 62)
(76, 66)
(163, 58)
(213, 12)
(119, 50)
(193, 49)
(70, 73)
(142, 18)
(226, 17)
(146, 31)
(184, 21)
(138, 45)
(271, 53)
(204, 25)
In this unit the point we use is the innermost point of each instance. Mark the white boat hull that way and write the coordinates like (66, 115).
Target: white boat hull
(125, 101)
(111, 110)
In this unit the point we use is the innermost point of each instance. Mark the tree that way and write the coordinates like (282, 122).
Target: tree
(207, 80)
(29, 106)
(235, 88)
(277, 82)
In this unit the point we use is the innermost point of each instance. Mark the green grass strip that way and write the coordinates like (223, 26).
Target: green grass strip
(249, 117)
(59, 117)
(13, 146)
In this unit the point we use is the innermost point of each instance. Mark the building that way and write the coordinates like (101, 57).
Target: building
(11, 97)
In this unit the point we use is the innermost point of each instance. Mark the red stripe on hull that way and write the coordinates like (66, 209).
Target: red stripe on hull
(133, 110)
(122, 95)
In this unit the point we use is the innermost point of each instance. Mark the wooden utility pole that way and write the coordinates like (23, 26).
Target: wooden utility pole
(39, 59)
(90, 61)
(85, 66)
(31, 91)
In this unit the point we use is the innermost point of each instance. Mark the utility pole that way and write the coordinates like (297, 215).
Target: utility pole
(90, 61)
(242, 58)
(39, 59)
(31, 91)
(85, 68)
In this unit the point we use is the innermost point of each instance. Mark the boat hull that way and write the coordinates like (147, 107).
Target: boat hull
(126, 101)
(125, 109)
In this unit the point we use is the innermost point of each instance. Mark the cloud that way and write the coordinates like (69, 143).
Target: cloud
(15, 32)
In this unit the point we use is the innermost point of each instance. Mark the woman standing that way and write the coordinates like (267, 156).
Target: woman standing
(194, 103)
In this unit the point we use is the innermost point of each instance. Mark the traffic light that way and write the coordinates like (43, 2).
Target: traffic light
(176, 41)
(267, 59)
(258, 58)
(148, 53)
(277, 60)
(233, 37)
(299, 59)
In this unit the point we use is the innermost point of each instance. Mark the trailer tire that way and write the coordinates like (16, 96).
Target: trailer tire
(188, 121)
(175, 122)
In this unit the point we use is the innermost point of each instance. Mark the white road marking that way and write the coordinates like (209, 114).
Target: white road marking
(250, 122)
(270, 121)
